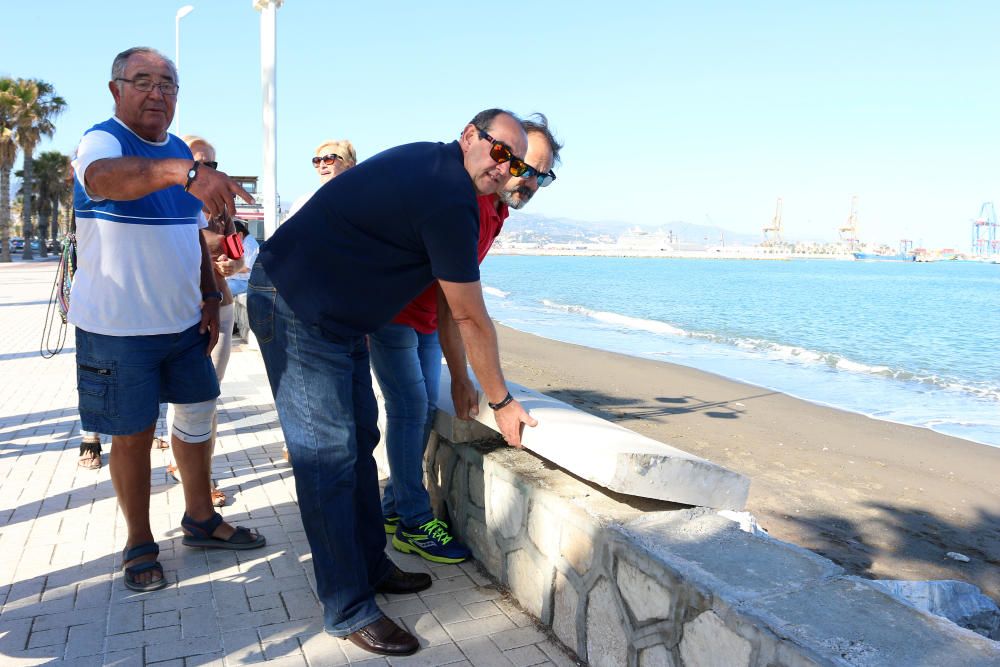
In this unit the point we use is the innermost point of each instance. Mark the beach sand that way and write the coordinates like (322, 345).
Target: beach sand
(883, 500)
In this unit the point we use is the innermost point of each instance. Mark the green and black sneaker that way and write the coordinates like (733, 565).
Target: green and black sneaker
(389, 523)
(431, 541)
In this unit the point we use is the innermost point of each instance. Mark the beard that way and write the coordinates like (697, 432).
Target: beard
(508, 197)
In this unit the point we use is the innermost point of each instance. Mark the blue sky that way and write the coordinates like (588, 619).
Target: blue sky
(669, 110)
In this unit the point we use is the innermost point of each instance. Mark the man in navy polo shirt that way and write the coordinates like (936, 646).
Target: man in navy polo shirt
(354, 255)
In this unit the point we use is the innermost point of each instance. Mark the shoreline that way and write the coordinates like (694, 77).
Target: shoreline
(882, 499)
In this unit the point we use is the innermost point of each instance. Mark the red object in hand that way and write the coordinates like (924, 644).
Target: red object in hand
(233, 246)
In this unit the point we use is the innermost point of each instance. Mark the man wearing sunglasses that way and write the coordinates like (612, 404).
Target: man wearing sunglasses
(406, 356)
(358, 251)
(143, 336)
(542, 154)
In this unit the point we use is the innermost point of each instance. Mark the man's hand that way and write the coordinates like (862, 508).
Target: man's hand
(465, 397)
(210, 322)
(216, 192)
(510, 418)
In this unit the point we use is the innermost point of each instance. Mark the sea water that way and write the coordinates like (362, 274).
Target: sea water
(907, 342)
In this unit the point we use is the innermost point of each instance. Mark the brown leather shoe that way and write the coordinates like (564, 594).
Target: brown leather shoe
(384, 637)
(398, 581)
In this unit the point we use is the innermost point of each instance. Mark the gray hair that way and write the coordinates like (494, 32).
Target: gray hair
(537, 122)
(121, 61)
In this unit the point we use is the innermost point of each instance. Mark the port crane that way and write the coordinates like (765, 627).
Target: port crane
(984, 232)
(849, 232)
(772, 234)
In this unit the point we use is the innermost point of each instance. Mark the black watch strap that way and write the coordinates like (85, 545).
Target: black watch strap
(211, 295)
(192, 174)
(507, 400)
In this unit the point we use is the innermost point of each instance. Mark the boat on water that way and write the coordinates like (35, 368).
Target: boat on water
(874, 256)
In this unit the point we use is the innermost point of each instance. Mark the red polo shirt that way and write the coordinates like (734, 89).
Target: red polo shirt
(421, 313)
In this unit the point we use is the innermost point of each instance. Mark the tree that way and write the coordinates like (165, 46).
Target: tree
(36, 106)
(51, 170)
(8, 153)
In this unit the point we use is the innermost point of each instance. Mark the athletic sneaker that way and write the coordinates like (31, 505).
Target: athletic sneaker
(389, 523)
(431, 541)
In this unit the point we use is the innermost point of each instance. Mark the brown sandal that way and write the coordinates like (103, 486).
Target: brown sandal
(90, 455)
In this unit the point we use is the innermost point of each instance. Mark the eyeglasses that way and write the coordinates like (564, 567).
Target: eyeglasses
(326, 159)
(210, 163)
(543, 179)
(501, 152)
(147, 85)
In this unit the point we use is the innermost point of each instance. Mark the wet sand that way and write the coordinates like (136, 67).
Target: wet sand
(883, 500)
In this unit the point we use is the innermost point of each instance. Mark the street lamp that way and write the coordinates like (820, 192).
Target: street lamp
(181, 13)
(268, 37)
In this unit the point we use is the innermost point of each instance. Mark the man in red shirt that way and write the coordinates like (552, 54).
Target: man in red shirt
(406, 356)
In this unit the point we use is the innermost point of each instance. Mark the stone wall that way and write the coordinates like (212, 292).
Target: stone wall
(626, 581)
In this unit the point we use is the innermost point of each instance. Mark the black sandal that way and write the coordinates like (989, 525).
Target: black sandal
(201, 535)
(132, 572)
(93, 451)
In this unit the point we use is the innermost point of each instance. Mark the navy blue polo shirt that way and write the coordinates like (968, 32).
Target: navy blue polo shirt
(371, 239)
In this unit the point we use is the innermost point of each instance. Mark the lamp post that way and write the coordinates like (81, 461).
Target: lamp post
(181, 13)
(268, 36)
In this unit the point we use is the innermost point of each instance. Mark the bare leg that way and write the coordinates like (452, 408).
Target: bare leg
(130, 476)
(195, 463)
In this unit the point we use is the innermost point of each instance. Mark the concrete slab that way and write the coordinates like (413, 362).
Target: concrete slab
(604, 453)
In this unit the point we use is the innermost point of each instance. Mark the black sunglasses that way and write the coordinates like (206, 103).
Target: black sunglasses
(210, 163)
(326, 159)
(501, 152)
(543, 179)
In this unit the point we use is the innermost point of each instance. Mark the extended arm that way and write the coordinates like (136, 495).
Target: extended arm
(128, 178)
(463, 392)
(473, 321)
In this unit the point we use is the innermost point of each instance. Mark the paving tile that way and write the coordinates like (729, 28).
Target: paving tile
(85, 640)
(482, 609)
(183, 649)
(478, 627)
(47, 637)
(426, 629)
(483, 653)
(517, 637)
(144, 638)
(525, 656)
(322, 649)
(445, 654)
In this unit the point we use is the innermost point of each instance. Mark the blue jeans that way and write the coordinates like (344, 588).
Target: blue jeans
(407, 364)
(323, 393)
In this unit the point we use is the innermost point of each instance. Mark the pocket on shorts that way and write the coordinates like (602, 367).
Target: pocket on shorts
(260, 311)
(96, 383)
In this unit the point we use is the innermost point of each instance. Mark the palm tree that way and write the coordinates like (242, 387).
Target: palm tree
(50, 177)
(36, 105)
(8, 153)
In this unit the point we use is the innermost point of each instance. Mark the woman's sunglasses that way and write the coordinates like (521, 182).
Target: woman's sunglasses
(501, 152)
(326, 159)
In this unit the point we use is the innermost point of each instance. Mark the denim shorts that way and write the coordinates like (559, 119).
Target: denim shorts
(121, 380)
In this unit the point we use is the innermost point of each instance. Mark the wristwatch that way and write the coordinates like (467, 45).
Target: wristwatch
(192, 174)
(211, 295)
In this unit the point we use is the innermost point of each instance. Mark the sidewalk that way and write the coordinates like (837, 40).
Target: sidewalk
(61, 537)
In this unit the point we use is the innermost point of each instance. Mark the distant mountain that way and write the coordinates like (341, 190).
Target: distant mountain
(529, 228)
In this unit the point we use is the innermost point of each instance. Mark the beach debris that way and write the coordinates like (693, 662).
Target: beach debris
(960, 602)
(747, 522)
(954, 555)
